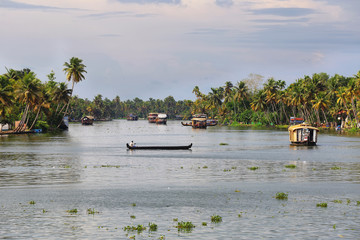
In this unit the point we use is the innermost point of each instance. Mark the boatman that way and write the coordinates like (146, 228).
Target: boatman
(132, 144)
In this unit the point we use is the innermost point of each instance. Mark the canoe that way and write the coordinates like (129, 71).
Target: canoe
(160, 147)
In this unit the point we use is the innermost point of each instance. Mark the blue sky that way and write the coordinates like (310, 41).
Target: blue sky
(157, 48)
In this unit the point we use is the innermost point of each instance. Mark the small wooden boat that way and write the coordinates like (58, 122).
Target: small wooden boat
(211, 122)
(303, 134)
(186, 124)
(87, 120)
(160, 147)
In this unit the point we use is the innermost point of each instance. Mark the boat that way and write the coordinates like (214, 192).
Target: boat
(199, 121)
(186, 124)
(161, 118)
(302, 133)
(211, 122)
(159, 147)
(87, 120)
(152, 117)
(132, 117)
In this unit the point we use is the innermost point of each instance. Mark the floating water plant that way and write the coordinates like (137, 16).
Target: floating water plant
(253, 168)
(72, 211)
(290, 166)
(185, 226)
(91, 211)
(152, 227)
(132, 216)
(204, 223)
(335, 168)
(216, 219)
(324, 205)
(223, 144)
(237, 190)
(357, 203)
(138, 228)
(110, 166)
(133, 204)
(32, 202)
(281, 196)
(337, 201)
(205, 166)
(175, 219)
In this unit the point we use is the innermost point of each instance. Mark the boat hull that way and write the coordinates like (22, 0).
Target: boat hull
(160, 147)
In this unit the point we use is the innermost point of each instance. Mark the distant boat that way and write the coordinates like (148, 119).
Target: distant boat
(152, 117)
(159, 147)
(132, 117)
(161, 118)
(211, 122)
(302, 133)
(198, 121)
(87, 120)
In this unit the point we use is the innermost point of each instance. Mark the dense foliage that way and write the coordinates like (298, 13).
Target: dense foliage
(319, 99)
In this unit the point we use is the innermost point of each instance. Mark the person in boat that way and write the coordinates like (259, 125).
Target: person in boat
(132, 144)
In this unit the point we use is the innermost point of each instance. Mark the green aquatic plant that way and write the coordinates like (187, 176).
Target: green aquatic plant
(205, 166)
(335, 168)
(290, 166)
(357, 203)
(152, 227)
(132, 216)
(185, 226)
(32, 202)
(281, 196)
(72, 211)
(139, 228)
(133, 204)
(323, 205)
(175, 219)
(216, 219)
(91, 211)
(253, 168)
(337, 201)
(223, 144)
(204, 223)
(110, 166)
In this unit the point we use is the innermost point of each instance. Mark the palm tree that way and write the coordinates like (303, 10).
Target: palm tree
(322, 102)
(74, 71)
(60, 95)
(241, 92)
(227, 91)
(27, 91)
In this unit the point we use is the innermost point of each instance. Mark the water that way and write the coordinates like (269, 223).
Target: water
(90, 167)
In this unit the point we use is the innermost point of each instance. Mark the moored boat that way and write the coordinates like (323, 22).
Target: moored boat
(152, 117)
(199, 121)
(87, 120)
(302, 133)
(132, 117)
(161, 118)
(211, 122)
(159, 147)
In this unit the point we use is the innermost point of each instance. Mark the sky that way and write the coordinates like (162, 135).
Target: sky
(159, 48)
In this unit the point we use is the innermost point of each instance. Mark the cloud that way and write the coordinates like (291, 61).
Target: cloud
(224, 3)
(17, 5)
(175, 2)
(208, 31)
(106, 14)
(284, 12)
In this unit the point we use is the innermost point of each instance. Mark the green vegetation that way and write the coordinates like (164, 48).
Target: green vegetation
(253, 168)
(204, 223)
(133, 204)
(32, 202)
(323, 205)
(91, 211)
(139, 228)
(337, 201)
(72, 211)
(216, 219)
(335, 168)
(152, 227)
(281, 196)
(223, 144)
(290, 166)
(185, 226)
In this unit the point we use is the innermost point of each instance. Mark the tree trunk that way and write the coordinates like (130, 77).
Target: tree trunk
(37, 115)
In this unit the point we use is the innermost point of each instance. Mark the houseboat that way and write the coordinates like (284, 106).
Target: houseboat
(161, 118)
(199, 121)
(152, 117)
(87, 120)
(301, 133)
(132, 117)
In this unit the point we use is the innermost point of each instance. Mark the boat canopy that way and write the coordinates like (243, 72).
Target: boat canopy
(301, 126)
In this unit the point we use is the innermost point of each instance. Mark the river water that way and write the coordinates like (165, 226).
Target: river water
(234, 173)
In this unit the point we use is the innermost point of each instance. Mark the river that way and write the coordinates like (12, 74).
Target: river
(234, 173)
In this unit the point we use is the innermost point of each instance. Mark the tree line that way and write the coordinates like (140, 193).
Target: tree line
(319, 99)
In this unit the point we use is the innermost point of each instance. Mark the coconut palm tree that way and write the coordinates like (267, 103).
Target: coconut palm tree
(27, 91)
(241, 92)
(74, 71)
